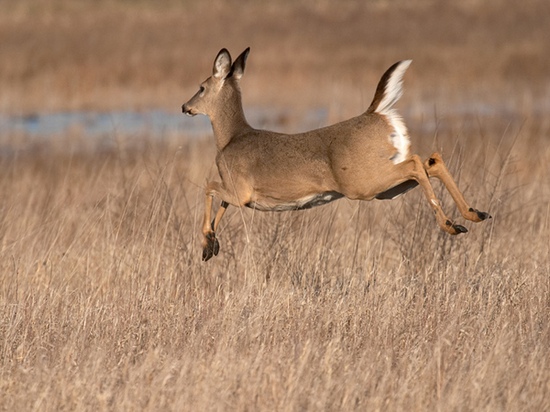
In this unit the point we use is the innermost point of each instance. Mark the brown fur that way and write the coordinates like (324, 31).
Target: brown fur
(273, 171)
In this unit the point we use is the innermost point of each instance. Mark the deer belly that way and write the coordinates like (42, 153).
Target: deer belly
(277, 205)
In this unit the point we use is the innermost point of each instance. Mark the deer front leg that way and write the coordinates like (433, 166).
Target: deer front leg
(210, 245)
(435, 167)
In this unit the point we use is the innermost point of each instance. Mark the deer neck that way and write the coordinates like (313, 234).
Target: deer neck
(229, 121)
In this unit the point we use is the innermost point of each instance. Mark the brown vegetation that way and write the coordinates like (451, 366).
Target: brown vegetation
(104, 301)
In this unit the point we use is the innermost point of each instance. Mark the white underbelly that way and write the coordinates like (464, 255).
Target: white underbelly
(307, 202)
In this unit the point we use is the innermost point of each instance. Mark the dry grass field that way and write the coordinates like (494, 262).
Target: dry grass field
(104, 301)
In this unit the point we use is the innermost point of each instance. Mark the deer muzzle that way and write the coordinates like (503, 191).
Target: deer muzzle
(186, 110)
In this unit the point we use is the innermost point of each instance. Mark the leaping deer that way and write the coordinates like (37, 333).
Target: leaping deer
(366, 157)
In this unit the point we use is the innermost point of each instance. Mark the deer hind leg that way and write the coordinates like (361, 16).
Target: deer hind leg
(416, 171)
(413, 169)
(435, 167)
(404, 176)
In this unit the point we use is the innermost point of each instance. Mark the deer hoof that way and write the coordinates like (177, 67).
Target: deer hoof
(459, 229)
(483, 215)
(212, 247)
(478, 216)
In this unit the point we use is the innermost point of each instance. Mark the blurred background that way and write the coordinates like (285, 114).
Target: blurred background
(127, 66)
(105, 303)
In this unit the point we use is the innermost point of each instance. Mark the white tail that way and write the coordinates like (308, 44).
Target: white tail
(389, 91)
(364, 158)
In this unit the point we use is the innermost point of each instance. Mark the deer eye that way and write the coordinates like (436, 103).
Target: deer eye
(201, 89)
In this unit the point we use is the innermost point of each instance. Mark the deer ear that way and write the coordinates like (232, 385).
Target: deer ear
(237, 69)
(222, 65)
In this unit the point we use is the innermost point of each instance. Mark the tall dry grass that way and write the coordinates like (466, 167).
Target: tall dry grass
(106, 305)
